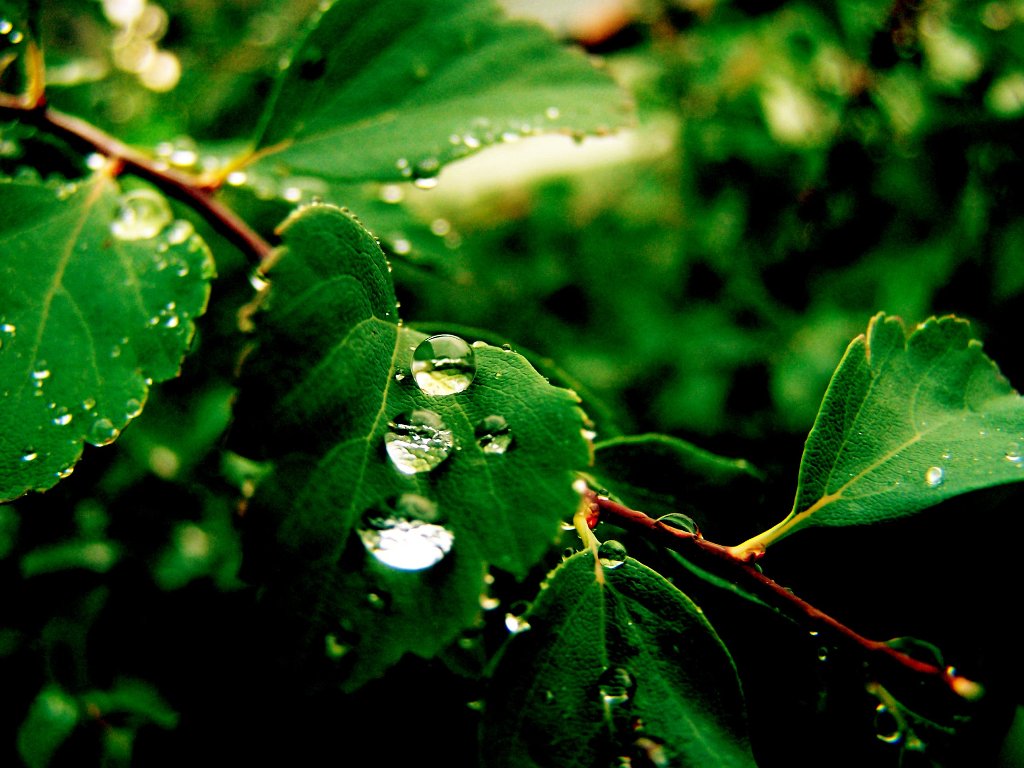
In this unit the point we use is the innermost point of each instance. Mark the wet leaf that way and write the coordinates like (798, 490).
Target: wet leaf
(627, 668)
(331, 395)
(98, 293)
(397, 89)
(905, 423)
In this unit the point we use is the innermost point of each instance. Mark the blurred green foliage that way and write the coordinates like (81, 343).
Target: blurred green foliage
(795, 169)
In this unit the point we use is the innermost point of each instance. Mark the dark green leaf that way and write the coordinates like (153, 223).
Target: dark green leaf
(617, 663)
(323, 396)
(396, 89)
(97, 299)
(905, 423)
(51, 719)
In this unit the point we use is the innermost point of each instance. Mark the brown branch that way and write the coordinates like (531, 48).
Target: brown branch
(695, 546)
(181, 186)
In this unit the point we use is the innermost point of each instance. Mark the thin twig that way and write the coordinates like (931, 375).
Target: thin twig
(181, 186)
(694, 545)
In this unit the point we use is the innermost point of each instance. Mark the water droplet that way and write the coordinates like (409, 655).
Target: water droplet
(64, 473)
(179, 232)
(489, 603)
(5, 27)
(1014, 455)
(440, 227)
(378, 601)
(493, 435)
(616, 686)
(103, 432)
(63, 420)
(8, 329)
(334, 648)
(88, 404)
(612, 554)
(934, 477)
(680, 521)
(515, 623)
(402, 533)
(822, 653)
(401, 246)
(418, 441)
(133, 408)
(887, 726)
(552, 113)
(41, 372)
(443, 365)
(29, 455)
(142, 215)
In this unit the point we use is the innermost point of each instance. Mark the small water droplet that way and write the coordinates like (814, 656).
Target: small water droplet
(142, 214)
(334, 648)
(443, 365)
(552, 113)
(934, 477)
(391, 193)
(1014, 455)
(5, 27)
(133, 408)
(63, 420)
(612, 554)
(489, 603)
(493, 435)
(887, 727)
(88, 404)
(8, 329)
(179, 232)
(41, 372)
(440, 227)
(401, 246)
(515, 622)
(822, 653)
(29, 455)
(616, 686)
(103, 432)
(378, 601)
(680, 521)
(402, 533)
(64, 473)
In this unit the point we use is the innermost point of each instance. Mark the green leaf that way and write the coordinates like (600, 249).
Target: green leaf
(322, 396)
(51, 719)
(396, 89)
(905, 423)
(97, 299)
(616, 663)
(663, 475)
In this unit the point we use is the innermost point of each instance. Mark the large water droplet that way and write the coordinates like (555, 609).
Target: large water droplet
(425, 173)
(612, 554)
(887, 727)
(934, 477)
(402, 534)
(493, 434)
(417, 441)
(680, 521)
(616, 686)
(142, 215)
(443, 365)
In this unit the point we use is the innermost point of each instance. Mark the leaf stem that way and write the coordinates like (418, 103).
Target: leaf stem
(744, 571)
(181, 186)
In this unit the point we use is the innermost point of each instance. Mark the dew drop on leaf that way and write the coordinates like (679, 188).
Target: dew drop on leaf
(103, 432)
(615, 686)
(515, 623)
(29, 455)
(612, 554)
(443, 365)
(493, 434)
(934, 477)
(133, 408)
(1014, 455)
(401, 533)
(417, 441)
(887, 727)
(142, 214)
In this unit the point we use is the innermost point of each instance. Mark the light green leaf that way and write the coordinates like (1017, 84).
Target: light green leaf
(905, 423)
(51, 718)
(616, 664)
(323, 396)
(386, 90)
(97, 298)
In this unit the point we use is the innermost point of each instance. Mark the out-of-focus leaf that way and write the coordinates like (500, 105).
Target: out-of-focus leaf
(396, 89)
(616, 664)
(905, 423)
(51, 719)
(98, 295)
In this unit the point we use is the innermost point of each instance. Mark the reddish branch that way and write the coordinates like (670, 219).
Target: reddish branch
(181, 186)
(750, 577)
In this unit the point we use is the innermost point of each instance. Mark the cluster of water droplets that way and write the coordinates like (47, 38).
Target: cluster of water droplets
(10, 35)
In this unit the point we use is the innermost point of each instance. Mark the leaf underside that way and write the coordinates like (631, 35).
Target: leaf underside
(87, 322)
(674, 695)
(391, 89)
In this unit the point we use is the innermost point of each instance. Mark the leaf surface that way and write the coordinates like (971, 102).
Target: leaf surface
(625, 668)
(905, 423)
(328, 383)
(395, 89)
(88, 319)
